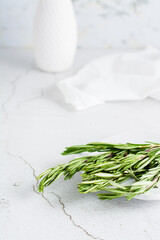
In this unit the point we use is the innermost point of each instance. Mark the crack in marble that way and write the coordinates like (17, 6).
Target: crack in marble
(20, 157)
(41, 95)
(47, 200)
(71, 218)
(34, 175)
(13, 84)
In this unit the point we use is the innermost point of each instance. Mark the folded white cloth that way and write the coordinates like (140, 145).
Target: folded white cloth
(115, 77)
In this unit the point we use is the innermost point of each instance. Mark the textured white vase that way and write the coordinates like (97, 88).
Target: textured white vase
(55, 35)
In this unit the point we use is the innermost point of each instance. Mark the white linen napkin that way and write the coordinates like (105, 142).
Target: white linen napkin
(115, 77)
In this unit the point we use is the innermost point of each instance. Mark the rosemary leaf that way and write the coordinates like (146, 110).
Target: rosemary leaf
(113, 165)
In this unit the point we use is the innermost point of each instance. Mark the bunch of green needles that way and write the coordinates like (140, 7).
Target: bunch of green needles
(107, 172)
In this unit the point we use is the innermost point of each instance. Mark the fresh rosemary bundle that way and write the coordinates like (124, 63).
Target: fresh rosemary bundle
(106, 171)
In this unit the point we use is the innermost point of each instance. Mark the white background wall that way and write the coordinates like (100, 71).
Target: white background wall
(101, 23)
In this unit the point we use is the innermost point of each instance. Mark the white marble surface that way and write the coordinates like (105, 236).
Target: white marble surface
(101, 23)
(37, 125)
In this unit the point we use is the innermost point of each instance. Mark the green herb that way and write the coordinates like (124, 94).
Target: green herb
(112, 166)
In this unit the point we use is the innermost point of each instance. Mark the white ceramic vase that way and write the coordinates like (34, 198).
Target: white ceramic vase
(55, 35)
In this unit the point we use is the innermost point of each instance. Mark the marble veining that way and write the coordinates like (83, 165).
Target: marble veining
(101, 23)
(5, 204)
(13, 84)
(37, 125)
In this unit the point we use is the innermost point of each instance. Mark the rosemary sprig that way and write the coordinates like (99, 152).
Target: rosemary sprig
(112, 166)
